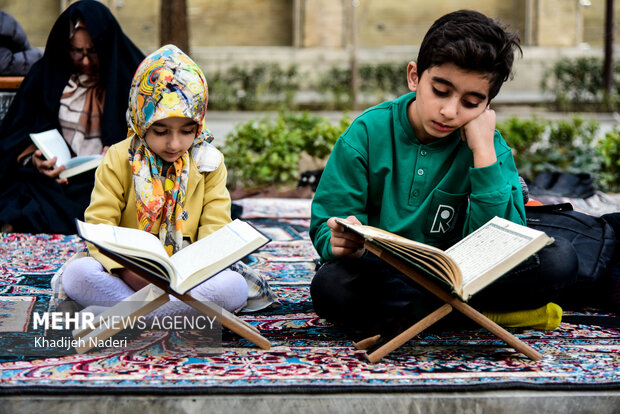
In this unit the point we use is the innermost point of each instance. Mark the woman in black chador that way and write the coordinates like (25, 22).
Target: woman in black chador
(80, 87)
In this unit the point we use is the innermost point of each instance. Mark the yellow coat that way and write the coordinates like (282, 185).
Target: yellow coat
(113, 200)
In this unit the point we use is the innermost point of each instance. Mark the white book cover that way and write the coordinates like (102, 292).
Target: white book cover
(52, 144)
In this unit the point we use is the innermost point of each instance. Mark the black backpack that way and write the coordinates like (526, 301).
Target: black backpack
(594, 241)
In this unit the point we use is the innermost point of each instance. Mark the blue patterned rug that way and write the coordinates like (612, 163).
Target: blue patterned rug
(308, 355)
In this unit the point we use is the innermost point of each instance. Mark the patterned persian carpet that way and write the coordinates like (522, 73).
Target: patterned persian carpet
(307, 354)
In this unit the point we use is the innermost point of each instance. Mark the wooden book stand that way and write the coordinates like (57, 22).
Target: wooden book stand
(377, 347)
(153, 296)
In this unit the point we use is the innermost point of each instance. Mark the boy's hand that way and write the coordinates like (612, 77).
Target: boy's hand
(345, 243)
(46, 167)
(479, 134)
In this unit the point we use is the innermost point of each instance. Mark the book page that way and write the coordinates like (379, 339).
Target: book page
(123, 240)
(434, 264)
(429, 265)
(430, 257)
(370, 233)
(488, 246)
(215, 247)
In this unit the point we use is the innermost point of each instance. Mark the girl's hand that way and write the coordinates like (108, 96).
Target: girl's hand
(134, 280)
(345, 243)
(479, 134)
(46, 167)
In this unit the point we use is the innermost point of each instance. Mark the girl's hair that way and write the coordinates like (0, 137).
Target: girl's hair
(472, 41)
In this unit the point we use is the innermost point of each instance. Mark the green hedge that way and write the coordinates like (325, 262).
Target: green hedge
(269, 86)
(578, 85)
(267, 151)
(575, 85)
(566, 145)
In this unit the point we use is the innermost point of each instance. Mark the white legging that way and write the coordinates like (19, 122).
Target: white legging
(87, 282)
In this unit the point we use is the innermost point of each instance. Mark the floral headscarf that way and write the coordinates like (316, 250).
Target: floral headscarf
(167, 84)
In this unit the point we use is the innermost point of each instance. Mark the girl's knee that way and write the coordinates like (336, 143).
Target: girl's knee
(236, 285)
(228, 288)
(87, 282)
(76, 272)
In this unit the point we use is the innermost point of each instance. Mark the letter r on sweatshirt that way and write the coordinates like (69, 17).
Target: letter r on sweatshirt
(443, 219)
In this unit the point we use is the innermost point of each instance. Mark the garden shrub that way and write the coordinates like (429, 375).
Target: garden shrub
(524, 137)
(262, 87)
(609, 148)
(267, 151)
(335, 87)
(577, 84)
(555, 146)
(571, 146)
(268, 86)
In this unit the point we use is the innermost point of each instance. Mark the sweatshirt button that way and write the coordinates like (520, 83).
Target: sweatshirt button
(420, 171)
(423, 153)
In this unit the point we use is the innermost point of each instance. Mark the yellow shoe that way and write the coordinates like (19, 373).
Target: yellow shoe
(546, 317)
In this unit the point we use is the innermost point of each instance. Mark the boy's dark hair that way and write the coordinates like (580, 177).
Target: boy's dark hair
(472, 41)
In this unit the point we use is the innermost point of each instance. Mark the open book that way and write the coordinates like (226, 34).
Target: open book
(471, 264)
(186, 268)
(52, 144)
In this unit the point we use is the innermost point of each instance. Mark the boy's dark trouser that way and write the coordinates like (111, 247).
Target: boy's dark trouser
(369, 295)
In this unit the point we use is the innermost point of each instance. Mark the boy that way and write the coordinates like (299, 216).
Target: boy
(430, 167)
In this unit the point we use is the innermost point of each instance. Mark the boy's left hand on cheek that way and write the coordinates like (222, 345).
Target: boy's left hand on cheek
(479, 135)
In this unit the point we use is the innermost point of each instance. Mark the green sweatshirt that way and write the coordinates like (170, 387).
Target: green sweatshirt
(381, 173)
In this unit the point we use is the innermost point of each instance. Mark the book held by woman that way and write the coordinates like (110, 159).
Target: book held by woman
(52, 144)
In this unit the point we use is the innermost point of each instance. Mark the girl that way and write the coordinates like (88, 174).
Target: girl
(165, 178)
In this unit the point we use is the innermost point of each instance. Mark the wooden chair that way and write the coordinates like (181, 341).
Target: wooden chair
(377, 346)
